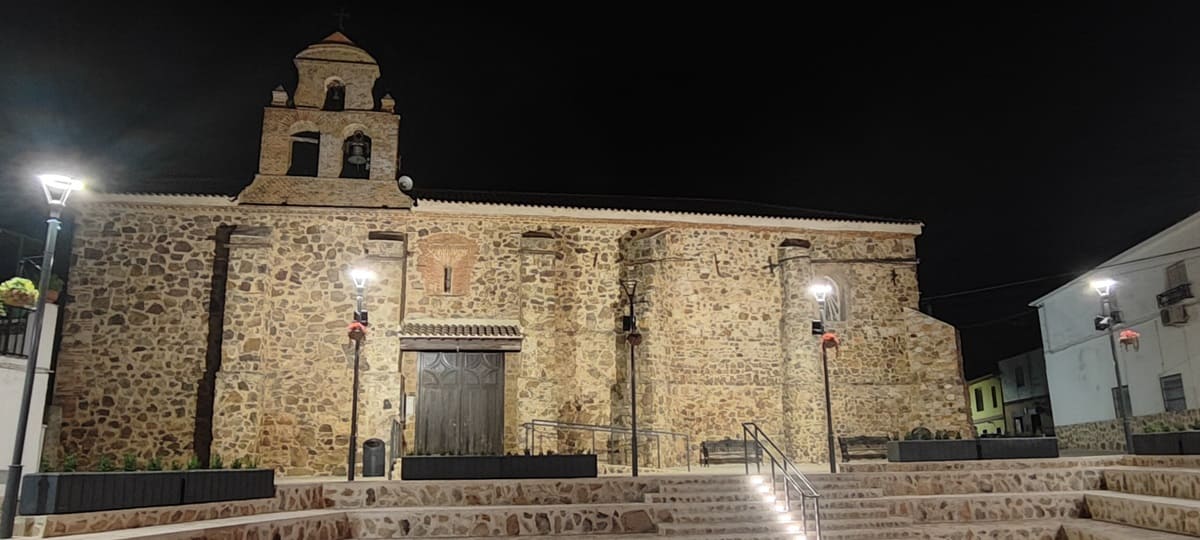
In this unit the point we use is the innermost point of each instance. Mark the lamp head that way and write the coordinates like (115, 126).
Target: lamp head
(820, 291)
(1103, 286)
(361, 276)
(58, 187)
(629, 286)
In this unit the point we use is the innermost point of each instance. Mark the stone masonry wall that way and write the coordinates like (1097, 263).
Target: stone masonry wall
(713, 356)
(1107, 435)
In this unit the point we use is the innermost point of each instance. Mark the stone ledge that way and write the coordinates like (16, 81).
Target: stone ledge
(302, 525)
(287, 499)
(1162, 482)
(568, 519)
(1087, 529)
(1145, 511)
(985, 464)
(986, 507)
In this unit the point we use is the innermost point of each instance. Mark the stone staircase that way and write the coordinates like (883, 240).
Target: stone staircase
(1125, 498)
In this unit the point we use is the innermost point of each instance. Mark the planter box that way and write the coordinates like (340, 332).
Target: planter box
(68, 493)
(1018, 448)
(496, 467)
(951, 450)
(1158, 444)
(1190, 442)
(201, 486)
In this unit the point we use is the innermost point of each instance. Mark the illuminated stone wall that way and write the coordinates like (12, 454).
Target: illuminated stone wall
(725, 325)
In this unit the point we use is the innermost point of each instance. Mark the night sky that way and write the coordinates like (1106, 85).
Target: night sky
(1033, 141)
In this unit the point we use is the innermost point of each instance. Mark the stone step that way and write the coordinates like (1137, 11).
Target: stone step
(459, 521)
(730, 536)
(986, 506)
(1032, 529)
(1171, 462)
(1161, 482)
(1145, 511)
(736, 527)
(1089, 529)
(316, 524)
(704, 496)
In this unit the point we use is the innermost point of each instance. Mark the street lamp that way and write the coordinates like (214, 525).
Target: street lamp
(1107, 320)
(820, 291)
(360, 276)
(57, 188)
(629, 287)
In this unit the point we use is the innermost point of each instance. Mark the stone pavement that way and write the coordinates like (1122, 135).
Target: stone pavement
(1086, 498)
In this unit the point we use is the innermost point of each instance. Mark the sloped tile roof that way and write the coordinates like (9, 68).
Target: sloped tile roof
(452, 330)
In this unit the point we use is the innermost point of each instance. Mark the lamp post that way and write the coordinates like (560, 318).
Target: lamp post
(1107, 320)
(360, 276)
(820, 291)
(57, 188)
(629, 287)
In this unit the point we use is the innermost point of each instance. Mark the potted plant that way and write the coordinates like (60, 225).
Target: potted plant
(18, 292)
(54, 289)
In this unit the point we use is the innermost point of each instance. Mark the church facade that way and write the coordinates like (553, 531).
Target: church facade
(213, 324)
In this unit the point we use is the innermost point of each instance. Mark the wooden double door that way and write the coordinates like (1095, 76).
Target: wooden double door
(460, 403)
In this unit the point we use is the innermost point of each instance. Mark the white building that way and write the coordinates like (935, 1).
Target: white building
(12, 384)
(1153, 294)
(1026, 394)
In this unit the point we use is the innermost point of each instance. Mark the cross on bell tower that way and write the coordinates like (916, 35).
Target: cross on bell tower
(341, 15)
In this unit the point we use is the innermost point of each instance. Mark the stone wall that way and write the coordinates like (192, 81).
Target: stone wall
(725, 334)
(1108, 434)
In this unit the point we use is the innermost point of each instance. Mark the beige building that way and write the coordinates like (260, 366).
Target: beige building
(220, 322)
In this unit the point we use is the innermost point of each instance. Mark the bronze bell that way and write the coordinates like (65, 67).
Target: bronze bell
(357, 149)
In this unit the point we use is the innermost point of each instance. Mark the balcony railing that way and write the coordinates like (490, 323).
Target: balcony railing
(1175, 295)
(13, 326)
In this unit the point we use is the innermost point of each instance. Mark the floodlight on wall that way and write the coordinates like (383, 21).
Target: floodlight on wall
(1103, 286)
(820, 291)
(361, 276)
(58, 187)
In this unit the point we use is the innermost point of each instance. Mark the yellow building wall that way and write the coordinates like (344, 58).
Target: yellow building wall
(987, 405)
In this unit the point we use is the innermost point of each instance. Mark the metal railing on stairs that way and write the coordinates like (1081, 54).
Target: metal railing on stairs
(533, 437)
(794, 481)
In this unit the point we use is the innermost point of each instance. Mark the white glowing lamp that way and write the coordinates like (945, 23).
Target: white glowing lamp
(820, 291)
(58, 187)
(361, 276)
(1103, 286)
(756, 480)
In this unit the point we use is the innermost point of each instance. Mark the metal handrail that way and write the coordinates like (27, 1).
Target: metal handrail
(532, 425)
(792, 477)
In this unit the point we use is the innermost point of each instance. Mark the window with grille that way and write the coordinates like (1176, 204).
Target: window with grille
(1020, 377)
(978, 399)
(995, 401)
(1172, 392)
(1177, 274)
(1117, 398)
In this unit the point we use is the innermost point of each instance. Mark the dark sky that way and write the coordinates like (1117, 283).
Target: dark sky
(1032, 140)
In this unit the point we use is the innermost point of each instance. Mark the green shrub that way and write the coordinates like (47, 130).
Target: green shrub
(251, 462)
(70, 463)
(154, 464)
(215, 462)
(237, 464)
(106, 464)
(129, 462)
(193, 463)
(176, 465)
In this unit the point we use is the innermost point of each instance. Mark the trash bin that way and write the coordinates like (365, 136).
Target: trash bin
(374, 458)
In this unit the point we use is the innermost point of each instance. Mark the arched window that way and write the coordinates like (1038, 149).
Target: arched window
(335, 96)
(356, 156)
(306, 152)
(835, 306)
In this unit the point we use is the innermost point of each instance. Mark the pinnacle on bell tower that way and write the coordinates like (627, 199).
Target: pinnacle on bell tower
(330, 133)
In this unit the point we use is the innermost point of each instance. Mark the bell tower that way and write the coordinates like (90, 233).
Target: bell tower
(330, 144)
